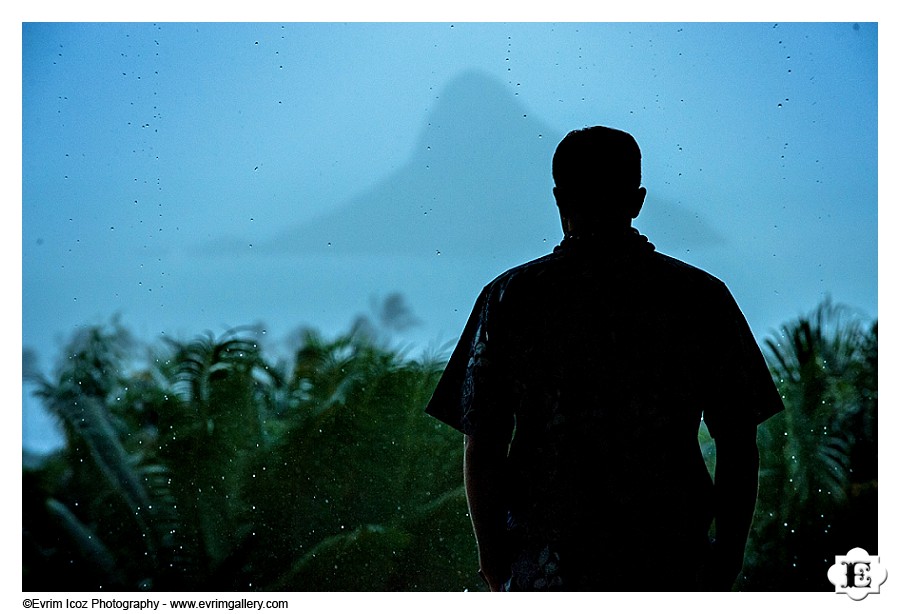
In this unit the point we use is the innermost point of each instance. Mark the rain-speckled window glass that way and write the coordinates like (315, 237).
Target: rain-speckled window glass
(248, 249)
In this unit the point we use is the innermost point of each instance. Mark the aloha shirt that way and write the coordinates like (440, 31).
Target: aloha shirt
(596, 364)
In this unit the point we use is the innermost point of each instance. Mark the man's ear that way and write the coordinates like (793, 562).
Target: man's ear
(564, 218)
(638, 203)
(560, 196)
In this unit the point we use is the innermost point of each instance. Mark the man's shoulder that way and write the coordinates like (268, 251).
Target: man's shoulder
(525, 271)
(651, 275)
(654, 263)
(682, 271)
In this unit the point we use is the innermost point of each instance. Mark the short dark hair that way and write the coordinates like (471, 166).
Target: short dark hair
(598, 156)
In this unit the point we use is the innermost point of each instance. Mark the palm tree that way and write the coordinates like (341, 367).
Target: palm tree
(204, 467)
(108, 495)
(818, 452)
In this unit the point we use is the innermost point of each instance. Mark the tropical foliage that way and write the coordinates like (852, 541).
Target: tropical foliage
(818, 475)
(205, 465)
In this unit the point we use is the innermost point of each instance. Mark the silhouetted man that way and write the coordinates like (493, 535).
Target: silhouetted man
(580, 381)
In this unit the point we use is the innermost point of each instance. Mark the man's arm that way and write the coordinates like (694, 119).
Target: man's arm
(736, 484)
(484, 469)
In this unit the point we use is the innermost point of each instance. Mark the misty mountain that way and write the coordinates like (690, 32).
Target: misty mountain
(479, 172)
(477, 183)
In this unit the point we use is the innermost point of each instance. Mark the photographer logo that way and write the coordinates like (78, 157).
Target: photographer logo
(857, 574)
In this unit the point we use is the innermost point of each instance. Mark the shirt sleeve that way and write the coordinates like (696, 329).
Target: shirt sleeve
(469, 396)
(742, 392)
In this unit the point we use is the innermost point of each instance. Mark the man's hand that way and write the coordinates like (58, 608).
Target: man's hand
(484, 470)
(736, 483)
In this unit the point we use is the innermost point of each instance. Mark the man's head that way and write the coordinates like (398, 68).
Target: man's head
(597, 172)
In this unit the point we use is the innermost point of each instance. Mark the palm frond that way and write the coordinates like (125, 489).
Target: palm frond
(87, 542)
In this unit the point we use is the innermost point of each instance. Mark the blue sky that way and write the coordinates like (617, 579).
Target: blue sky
(170, 171)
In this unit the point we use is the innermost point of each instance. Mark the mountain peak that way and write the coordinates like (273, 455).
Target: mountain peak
(477, 109)
(481, 171)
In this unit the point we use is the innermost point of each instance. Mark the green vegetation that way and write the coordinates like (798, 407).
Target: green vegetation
(819, 458)
(203, 465)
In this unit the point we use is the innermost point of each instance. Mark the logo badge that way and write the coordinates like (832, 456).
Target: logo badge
(857, 574)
